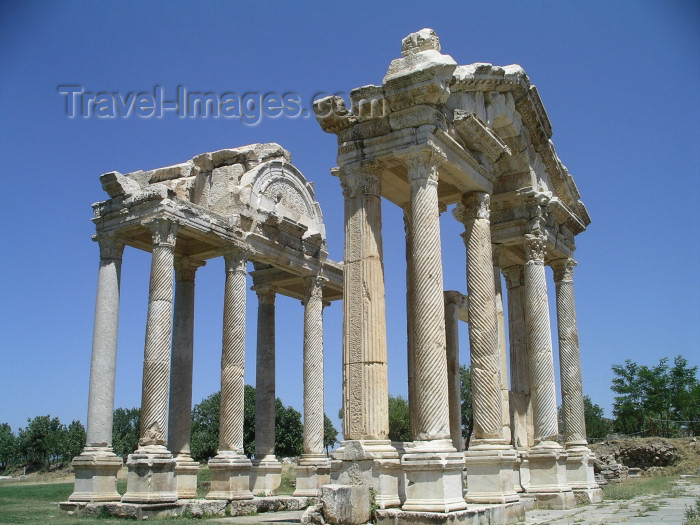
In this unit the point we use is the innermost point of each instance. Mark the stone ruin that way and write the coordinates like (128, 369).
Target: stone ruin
(433, 134)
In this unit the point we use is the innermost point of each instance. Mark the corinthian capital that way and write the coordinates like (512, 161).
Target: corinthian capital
(535, 248)
(474, 205)
(266, 293)
(236, 258)
(163, 231)
(563, 269)
(185, 268)
(513, 276)
(111, 247)
(313, 287)
(424, 164)
(361, 178)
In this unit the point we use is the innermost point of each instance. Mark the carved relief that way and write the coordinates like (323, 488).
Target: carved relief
(535, 248)
(563, 269)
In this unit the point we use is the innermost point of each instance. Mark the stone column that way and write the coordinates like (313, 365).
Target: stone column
(579, 465)
(314, 467)
(179, 418)
(97, 466)
(151, 466)
(230, 468)
(432, 466)
(490, 458)
(365, 451)
(409, 321)
(266, 474)
(502, 348)
(546, 461)
(452, 302)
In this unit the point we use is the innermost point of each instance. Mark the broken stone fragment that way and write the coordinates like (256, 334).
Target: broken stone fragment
(118, 185)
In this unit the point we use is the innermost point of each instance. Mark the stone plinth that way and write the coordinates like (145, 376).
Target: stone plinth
(374, 463)
(312, 473)
(96, 476)
(347, 504)
(546, 476)
(474, 515)
(433, 477)
(230, 477)
(186, 477)
(265, 476)
(490, 474)
(151, 477)
(580, 476)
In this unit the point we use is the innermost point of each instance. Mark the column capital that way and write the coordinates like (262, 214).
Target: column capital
(563, 269)
(185, 268)
(111, 246)
(313, 287)
(361, 178)
(534, 248)
(513, 276)
(236, 259)
(422, 164)
(266, 293)
(496, 254)
(163, 231)
(474, 205)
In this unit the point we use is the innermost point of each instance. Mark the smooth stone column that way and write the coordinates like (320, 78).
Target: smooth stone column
(546, 460)
(314, 467)
(452, 301)
(365, 454)
(490, 459)
(432, 466)
(230, 468)
(97, 466)
(502, 347)
(520, 405)
(579, 465)
(151, 467)
(266, 474)
(409, 321)
(180, 406)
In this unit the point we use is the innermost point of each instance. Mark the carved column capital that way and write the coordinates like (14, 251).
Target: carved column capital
(361, 178)
(496, 254)
(266, 293)
(534, 248)
(313, 287)
(563, 269)
(236, 259)
(185, 268)
(111, 246)
(513, 276)
(163, 231)
(474, 205)
(423, 164)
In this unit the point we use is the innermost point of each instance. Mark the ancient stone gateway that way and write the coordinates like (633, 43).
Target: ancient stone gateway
(435, 134)
(242, 204)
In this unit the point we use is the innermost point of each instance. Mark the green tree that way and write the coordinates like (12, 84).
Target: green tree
(40, 442)
(330, 434)
(399, 420)
(204, 437)
(289, 432)
(465, 386)
(8, 446)
(597, 426)
(73, 440)
(125, 431)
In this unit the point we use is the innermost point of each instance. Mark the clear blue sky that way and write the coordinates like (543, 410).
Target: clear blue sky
(619, 81)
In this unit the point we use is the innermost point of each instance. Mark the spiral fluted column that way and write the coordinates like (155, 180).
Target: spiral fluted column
(569, 358)
(539, 340)
(427, 303)
(97, 466)
(483, 326)
(313, 365)
(156, 360)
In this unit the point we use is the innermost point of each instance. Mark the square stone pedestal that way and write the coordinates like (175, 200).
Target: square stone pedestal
(312, 472)
(230, 477)
(545, 479)
(433, 477)
(186, 477)
(151, 476)
(373, 463)
(265, 476)
(580, 476)
(490, 474)
(96, 472)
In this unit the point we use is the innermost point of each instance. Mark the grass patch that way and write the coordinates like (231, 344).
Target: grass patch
(661, 485)
(692, 514)
(287, 486)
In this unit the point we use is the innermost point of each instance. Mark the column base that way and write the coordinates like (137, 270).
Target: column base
(151, 476)
(433, 477)
(265, 476)
(546, 476)
(96, 470)
(373, 463)
(490, 474)
(313, 471)
(580, 476)
(186, 470)
(230, 477)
